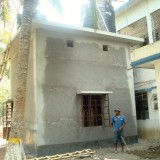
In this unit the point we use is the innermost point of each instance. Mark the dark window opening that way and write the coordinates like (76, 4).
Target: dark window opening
(142, 106)
(92, 110)
(156, 36)
(105, 48)
(69, 43)
(146, 41)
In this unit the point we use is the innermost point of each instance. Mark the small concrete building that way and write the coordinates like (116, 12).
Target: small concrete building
(76, 77)
(140, 18)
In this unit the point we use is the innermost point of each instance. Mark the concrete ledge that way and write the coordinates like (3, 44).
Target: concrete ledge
(146, 60)
(71, 147)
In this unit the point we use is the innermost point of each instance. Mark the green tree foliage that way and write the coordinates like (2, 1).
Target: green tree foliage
(4, 37)
(4, 19)
(5, 11)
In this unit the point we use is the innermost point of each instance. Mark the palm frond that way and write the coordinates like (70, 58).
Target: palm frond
(5, 11)
(4, 37)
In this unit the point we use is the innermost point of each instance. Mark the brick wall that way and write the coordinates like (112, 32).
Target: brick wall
(137, 29)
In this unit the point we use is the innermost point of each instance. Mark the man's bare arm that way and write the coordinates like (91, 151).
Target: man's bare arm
(124, 124)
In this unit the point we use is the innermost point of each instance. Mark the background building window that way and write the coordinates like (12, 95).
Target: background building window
(142, 105)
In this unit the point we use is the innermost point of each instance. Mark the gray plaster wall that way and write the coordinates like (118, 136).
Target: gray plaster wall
(30, 130)
(61, 72)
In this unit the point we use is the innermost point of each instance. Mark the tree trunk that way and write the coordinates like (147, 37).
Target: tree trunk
(17, 126)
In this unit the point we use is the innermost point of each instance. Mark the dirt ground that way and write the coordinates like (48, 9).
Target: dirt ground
(144, 150)
(2, 153)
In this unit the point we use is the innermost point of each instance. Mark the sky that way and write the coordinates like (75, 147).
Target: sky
(118, 3)
(71, 13)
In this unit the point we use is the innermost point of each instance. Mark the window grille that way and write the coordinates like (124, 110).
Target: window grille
(142, 106)
(95, 110)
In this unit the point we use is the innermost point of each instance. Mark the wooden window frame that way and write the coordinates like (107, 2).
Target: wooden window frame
(95, 108)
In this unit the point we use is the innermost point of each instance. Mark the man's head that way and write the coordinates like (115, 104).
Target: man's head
(117, 111)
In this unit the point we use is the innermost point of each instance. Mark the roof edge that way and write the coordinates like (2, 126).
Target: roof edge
(86, 31)
(127, 5)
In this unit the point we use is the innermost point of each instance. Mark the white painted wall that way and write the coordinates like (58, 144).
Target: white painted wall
(143, 79)
(150, 128)
(157, 71)
(145, 51)
(142, 75)
(128, 16)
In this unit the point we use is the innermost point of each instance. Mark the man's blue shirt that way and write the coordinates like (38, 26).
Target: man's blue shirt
(118, 122)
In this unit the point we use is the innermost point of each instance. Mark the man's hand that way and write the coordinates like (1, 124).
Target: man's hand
(120, 128)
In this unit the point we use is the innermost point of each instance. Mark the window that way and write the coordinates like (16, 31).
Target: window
(93, 110)
(69, 43)
(142, 106)
(105, 48)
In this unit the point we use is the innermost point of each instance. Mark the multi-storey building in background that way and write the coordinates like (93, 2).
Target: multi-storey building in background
(140, 18)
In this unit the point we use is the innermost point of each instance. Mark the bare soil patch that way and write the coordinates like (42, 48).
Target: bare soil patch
(2, 153)
(151, 153)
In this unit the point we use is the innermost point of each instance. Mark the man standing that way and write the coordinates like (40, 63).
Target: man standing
(118, 122)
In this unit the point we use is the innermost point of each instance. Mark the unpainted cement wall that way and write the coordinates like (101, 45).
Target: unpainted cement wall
(63, 71)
